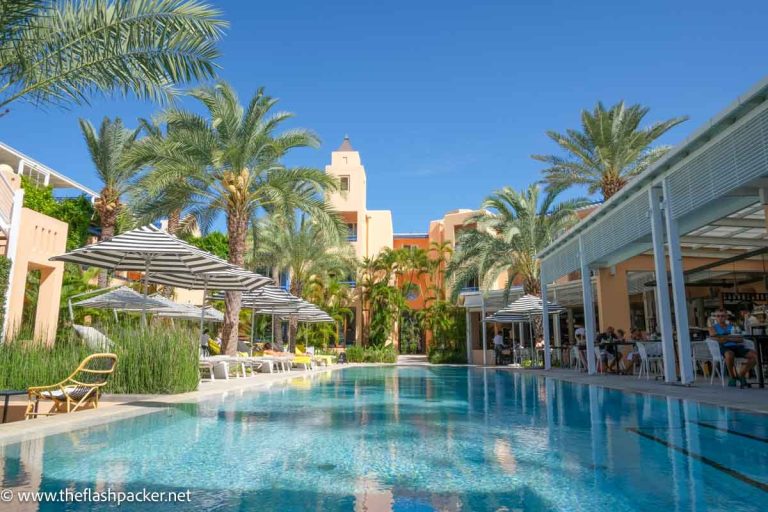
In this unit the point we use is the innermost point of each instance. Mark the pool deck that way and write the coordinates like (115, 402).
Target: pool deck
(751, 399)
(116, 407)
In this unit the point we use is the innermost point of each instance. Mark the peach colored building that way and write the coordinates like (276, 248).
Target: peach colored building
(370, 231)
(29, 239)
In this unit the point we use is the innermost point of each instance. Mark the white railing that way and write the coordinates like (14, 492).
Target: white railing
(7, 196)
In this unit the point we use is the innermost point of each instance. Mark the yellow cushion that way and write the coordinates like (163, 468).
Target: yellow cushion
(242, 354)
(214, 348)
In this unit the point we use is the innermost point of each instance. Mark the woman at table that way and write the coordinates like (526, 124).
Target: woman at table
(608, 352)
(732, 347)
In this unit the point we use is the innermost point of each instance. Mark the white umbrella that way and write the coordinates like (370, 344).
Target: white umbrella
(149, 250)
(122, 298)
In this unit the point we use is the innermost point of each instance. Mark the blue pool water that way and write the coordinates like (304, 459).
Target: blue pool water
(416, 439)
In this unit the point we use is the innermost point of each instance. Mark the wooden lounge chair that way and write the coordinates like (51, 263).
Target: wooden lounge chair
(81, 388)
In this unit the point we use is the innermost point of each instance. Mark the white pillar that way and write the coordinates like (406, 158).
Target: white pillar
(482, 326)
(14, 230)
(663, 319)
(469, 337)
(556, 331)
(589, 309)
(678, 293)
(545, 325)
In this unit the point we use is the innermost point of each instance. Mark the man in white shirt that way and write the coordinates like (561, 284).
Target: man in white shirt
(498, 340)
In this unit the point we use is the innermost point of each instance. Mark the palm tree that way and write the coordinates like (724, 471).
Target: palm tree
(61, 52)
(230, 162)
(108, 148)
(335, 298)
(610, 149)
(307, 252)
(512, 229)
(303, 249)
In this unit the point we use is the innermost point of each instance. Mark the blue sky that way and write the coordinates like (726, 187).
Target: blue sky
(447, 100)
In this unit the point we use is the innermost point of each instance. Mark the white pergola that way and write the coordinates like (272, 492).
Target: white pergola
(707, 196)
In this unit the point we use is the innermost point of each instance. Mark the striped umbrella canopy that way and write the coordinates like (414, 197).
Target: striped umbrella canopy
(122, 298)
(266, 296)
(189, 311)
(146, 249)
(232, 279)
(530, 305)
(501, 317)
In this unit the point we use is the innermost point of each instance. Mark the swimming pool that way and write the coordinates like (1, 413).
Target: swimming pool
(413, 439)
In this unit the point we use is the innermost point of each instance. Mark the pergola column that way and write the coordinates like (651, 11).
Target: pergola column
(469, 336)
(662, 290)
(545, 324)
(678, 293)
(589, 309)
(483, 330)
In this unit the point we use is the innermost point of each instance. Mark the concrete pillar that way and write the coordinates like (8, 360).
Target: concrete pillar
(678, 293)
(589, 309)
(556, 329)
(613, 299)
(648, 311)
(545, 324)
(701, 318)
(571, 325)
(47, 314)
(662, 289)
(484, 331)
(469, 337)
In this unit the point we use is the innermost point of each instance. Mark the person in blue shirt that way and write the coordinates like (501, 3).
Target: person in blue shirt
(732, 347)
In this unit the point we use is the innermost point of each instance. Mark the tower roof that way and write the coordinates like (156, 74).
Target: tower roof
(345, 145)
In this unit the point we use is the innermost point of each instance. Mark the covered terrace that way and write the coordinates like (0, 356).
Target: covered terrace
(694, 220)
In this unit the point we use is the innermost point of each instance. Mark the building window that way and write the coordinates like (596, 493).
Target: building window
(344, 183)
(352, 232)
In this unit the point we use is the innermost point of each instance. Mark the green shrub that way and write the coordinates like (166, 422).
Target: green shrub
(156, 360)
(447, 356)
(357, 354)
(5, 274)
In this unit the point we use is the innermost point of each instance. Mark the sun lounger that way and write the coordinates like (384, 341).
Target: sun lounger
(93, 338)
(82, 387)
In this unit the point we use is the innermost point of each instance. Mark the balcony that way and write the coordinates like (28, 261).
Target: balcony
(352, 238)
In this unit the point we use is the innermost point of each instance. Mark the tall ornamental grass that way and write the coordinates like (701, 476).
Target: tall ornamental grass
(24, 363)
(156, 360)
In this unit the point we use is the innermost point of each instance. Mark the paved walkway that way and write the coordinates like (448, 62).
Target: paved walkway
(412, 359)
(752, 399)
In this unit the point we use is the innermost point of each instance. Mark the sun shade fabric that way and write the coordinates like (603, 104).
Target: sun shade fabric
(146, 249)
(232, 279)
(122, 298)
(185, 311)
(506, 318)
(530, 305)
(268, 295)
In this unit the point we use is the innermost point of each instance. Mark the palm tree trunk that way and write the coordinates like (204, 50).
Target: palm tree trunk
(237, 228)
(610, 185)
(174, 221)
(107, 232)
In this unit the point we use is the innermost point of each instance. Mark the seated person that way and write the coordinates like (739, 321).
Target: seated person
(269, 351)
(608, 353)
(732, 347)
(498, 346)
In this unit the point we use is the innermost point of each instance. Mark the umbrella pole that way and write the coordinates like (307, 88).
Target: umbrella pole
(253, 324)
(144, 304)
(202, 309)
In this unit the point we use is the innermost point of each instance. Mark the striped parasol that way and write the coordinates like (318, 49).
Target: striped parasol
(528, 305)
(174, 309)
(146, 249)
(122, 298)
